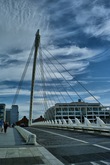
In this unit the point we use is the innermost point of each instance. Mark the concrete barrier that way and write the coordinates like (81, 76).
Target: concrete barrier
(29, 137)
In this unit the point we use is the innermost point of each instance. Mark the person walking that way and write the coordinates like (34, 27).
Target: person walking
(5, 127)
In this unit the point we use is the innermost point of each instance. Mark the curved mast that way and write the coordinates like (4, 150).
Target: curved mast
(37, 41)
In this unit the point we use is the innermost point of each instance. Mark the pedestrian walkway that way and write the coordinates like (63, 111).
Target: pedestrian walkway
(14, 151)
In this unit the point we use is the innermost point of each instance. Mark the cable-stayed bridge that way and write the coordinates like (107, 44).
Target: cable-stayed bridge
(73, 141)
(53, 84)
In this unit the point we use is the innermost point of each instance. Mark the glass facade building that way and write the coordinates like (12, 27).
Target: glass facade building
(77, 110)
(14, 114)
(2, 113)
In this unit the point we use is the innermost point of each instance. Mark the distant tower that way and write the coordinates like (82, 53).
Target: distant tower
(2, 112)
(8, 115)
(14, 114)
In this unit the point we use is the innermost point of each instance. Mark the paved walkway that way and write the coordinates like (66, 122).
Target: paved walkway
(14, 151)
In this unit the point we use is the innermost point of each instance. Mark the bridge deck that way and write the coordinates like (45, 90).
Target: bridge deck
(13, 150)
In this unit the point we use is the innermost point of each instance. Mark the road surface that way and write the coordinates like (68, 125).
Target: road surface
(74, 148)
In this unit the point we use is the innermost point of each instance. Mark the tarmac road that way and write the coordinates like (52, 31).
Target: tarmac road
(75, 148)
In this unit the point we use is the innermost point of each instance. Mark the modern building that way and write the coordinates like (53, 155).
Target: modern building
(8, 115)
(2, 113)
(12, 115)
(77, 110)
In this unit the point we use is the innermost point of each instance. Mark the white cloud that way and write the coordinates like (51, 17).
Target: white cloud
(89, 19)
(71, 58)
(76, 52)
(19, 21)
(91, 98)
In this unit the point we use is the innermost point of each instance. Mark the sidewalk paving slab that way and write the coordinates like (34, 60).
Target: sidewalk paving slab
(14, 151)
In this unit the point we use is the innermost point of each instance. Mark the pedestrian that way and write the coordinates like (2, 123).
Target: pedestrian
(5, 127)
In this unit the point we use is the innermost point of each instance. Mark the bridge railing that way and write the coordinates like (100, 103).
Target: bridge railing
(99, 126)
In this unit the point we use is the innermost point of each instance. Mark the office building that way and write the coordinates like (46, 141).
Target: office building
(2, 113)
(12, 115)
(8, 115)
(77, 110)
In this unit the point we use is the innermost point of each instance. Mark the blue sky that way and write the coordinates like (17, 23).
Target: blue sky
(76, 32)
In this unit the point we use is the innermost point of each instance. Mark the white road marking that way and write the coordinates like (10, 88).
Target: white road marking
(96, 145)
(106, 148)
(104, 162)
(93, 163)
(62, 135)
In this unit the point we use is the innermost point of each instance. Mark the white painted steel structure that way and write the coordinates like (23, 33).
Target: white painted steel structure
(99, 127)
